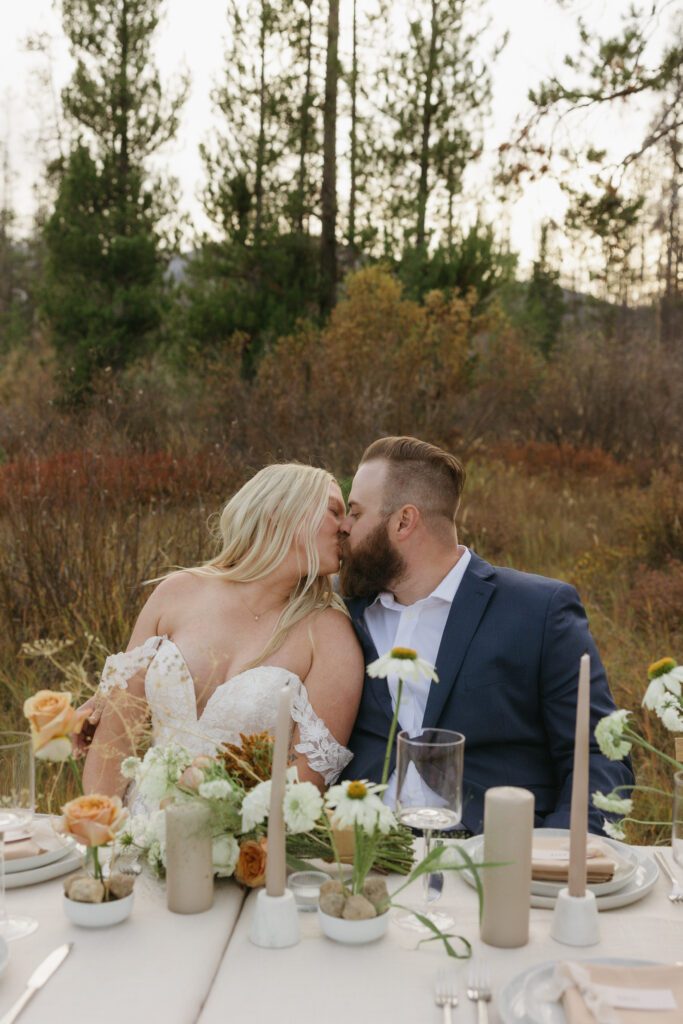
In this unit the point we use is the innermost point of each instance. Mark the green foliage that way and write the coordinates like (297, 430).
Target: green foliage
(474, 263)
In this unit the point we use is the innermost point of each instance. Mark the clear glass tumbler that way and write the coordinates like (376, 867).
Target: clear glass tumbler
(677, 820)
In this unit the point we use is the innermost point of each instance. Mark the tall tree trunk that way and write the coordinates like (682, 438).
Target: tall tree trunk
(354, 131)
(328, 241)
(123, 112)
(427, 112)
(261, 143)
(305, 124)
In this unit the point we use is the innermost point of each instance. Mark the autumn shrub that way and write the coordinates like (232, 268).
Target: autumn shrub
(657, 596)
(541, 457)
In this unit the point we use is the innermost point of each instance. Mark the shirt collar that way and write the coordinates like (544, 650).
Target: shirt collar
(444, 591)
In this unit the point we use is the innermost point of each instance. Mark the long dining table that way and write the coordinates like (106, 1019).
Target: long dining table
(182, 969)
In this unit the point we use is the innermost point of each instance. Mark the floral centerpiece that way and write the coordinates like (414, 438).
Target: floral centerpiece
(616, 737)
(94, 821)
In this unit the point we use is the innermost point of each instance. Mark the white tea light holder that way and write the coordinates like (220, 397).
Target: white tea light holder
(575, 919)
(275, 922)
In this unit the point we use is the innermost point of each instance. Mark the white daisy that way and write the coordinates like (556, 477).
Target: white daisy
(359, 803)
(404, 663)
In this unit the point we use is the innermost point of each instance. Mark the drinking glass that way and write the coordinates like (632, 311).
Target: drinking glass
(677, 820)
(17, 799)
(429, 769)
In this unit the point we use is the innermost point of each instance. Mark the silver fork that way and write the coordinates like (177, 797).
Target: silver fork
(444, 995)
(479, 989)
(676, 894)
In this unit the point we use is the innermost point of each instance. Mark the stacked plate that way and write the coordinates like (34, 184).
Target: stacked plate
(39, 853)
(635, 874)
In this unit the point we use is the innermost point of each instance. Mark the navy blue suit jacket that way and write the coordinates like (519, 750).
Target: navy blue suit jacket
(508, 669)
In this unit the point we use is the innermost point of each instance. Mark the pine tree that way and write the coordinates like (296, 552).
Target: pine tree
(104, 277)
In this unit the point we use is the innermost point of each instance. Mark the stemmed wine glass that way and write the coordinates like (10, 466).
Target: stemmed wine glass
(17, 799)
(429, 769)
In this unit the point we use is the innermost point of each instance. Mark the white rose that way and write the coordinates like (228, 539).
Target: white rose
(225, 851)
(255, 806)
(58, 749)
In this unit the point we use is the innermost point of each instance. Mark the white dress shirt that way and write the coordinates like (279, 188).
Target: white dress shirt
(419, 626)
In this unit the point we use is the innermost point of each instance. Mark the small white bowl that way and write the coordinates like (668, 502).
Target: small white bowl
(98, 915)
(353, 933)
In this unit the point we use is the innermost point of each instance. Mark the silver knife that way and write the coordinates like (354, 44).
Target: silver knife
(41, 974)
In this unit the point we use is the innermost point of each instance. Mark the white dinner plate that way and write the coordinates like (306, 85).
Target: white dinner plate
(55, 846)
(640, 883)
(518, 1002)
(71, 862)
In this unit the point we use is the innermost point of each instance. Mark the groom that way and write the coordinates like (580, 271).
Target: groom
(506, 644)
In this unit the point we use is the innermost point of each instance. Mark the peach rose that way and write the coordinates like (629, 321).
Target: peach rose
(53, 721)
(191, 778)
(251, 863)
(93, 820)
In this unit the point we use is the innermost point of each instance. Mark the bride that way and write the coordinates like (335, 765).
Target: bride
(214, 645)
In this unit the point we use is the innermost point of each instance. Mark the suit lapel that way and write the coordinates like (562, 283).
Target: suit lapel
(377, 689)
(469, 604)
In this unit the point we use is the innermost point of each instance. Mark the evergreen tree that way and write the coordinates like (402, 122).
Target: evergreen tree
(104, 275)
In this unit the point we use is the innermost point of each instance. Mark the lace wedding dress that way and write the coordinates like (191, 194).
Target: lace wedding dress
(246, 703)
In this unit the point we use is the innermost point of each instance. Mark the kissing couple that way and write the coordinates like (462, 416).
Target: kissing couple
(215, 643)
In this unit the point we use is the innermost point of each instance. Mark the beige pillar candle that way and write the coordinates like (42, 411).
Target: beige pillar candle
(276, 863)
(508, 832)
(189, 861)
(578, 822)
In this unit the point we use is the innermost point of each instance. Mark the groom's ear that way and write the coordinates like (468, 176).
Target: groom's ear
(408, 518)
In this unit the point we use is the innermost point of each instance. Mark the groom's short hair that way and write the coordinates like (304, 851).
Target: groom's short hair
(420, 474)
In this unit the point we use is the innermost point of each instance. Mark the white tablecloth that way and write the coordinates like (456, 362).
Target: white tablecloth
(180, 969)
(155, 966)
(324, 982)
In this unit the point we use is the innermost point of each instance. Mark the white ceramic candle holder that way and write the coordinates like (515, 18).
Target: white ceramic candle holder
(275, 923)
(575, 919)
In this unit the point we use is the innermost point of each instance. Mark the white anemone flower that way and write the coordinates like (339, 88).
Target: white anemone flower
(614, 829)
(609, 734)
(302, 807)
(404, 663)
(255, 806)
(612, 802)
(359, 803)
(663, 687)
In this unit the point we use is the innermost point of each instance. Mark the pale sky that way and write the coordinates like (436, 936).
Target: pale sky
(192, 36)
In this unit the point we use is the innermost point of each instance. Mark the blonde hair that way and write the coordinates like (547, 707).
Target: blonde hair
(280, 504)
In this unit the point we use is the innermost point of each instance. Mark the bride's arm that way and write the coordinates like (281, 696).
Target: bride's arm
(334, 682)
(124, 717)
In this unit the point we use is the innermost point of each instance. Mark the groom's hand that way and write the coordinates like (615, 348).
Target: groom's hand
(82, 740)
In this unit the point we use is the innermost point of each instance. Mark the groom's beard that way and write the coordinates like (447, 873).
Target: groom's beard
(372, 566)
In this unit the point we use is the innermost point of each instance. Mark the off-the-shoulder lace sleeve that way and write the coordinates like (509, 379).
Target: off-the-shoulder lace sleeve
(316, 742)
(119, 668)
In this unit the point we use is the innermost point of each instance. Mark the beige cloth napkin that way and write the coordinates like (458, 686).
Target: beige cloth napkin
(549, 865)
(22, 848)
(590, 1005)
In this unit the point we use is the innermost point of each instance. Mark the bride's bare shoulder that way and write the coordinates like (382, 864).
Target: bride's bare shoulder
(333, 627)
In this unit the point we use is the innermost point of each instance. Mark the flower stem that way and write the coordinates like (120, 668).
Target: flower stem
(630, 734)
(76, 775)
(392, 734)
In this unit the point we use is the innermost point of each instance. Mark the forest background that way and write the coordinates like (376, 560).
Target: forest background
(355, 280)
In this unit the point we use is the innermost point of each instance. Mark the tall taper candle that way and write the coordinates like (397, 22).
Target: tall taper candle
(578, 825)
(276, 861)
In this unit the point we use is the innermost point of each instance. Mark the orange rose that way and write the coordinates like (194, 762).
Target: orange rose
(93, 820)
(251, 863)
(52, 721)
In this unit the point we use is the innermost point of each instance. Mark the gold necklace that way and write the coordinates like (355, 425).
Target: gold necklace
(251, 611)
